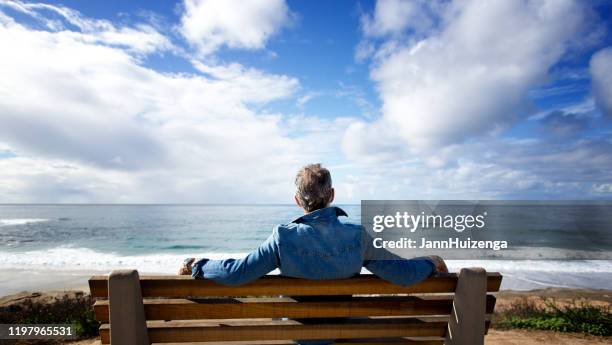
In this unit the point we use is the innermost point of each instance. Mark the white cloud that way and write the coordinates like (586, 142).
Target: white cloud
(491, 168)
(364, 50)
(471, 76)
(254, 85)
(89, 123)
(604, 188)
(450, 82)
(307, 98)
(83, 120)
(27, 179)
(142, 38)
(392, 17)
(601, 72)
(245, 24)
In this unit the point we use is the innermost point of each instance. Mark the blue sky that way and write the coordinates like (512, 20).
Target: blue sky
(222, 101)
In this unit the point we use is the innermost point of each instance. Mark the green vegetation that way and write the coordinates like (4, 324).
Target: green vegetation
(75, 308)
(580, 317)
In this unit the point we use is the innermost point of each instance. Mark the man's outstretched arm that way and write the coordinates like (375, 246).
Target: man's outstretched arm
(404, 271)
(396, 269)
(240, 271)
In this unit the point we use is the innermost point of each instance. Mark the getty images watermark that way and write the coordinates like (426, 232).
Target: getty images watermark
(471, 229)
(422, 222)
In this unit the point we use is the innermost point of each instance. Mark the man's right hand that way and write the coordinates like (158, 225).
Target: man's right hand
(187, 267)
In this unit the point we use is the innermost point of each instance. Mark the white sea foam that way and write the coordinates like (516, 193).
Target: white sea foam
(21, 221)
(78, 259)
(552, 266)
(521, 274)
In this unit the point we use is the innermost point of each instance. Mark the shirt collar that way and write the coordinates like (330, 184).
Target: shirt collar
(321, 213)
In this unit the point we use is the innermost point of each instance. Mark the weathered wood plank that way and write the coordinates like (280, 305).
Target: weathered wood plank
(396, 341)
(192, 332)
(183, 309)
(467, 323)
(127, 317)
(491, 300)
(185, 286)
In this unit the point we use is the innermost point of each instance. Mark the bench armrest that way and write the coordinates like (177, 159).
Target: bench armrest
(466, 325)
(128, 325)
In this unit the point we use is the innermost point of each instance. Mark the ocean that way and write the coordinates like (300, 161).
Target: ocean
(54, 240)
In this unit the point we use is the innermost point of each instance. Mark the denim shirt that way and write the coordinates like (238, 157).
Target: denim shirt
(314, 246)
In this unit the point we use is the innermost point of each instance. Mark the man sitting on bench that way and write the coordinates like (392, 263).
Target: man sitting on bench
(314, 246)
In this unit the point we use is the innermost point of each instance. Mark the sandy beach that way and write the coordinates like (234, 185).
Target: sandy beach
(14, 281)
(505, 299)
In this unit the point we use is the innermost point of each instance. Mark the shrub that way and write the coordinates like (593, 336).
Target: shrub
(69, 308)
(576, 317)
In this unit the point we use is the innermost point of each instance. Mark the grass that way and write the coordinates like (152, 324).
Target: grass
(579, 317)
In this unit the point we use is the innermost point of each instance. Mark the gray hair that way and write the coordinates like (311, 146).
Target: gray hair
(314, 187)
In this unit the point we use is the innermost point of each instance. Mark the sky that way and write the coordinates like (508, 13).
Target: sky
(218, 101)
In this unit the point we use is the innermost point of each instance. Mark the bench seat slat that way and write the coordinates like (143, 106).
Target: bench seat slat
(285, 322)
(397, 341)
(400, 341)
(183, 309)
(281, 330)
(185, 286)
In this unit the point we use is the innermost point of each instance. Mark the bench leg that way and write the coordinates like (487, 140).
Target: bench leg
(466, 325)
(128, 325)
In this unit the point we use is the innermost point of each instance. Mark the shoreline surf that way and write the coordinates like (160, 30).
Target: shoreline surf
(35, 269)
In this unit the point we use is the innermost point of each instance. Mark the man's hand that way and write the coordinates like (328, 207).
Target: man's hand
(186, 267)
(439, 263)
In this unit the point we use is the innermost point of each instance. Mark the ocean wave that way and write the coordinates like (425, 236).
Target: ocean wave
(21, 221)
(534, 273)
(184, 246)
(79, 259)
(551, 266)
(65, 258)
(520, 253)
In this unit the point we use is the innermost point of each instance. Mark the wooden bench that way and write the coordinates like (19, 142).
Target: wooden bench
(450, 309)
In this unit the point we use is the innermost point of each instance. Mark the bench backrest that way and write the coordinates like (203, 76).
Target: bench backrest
(447, 309)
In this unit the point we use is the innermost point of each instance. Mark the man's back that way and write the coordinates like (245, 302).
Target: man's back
(319, 246)
(314, 246)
